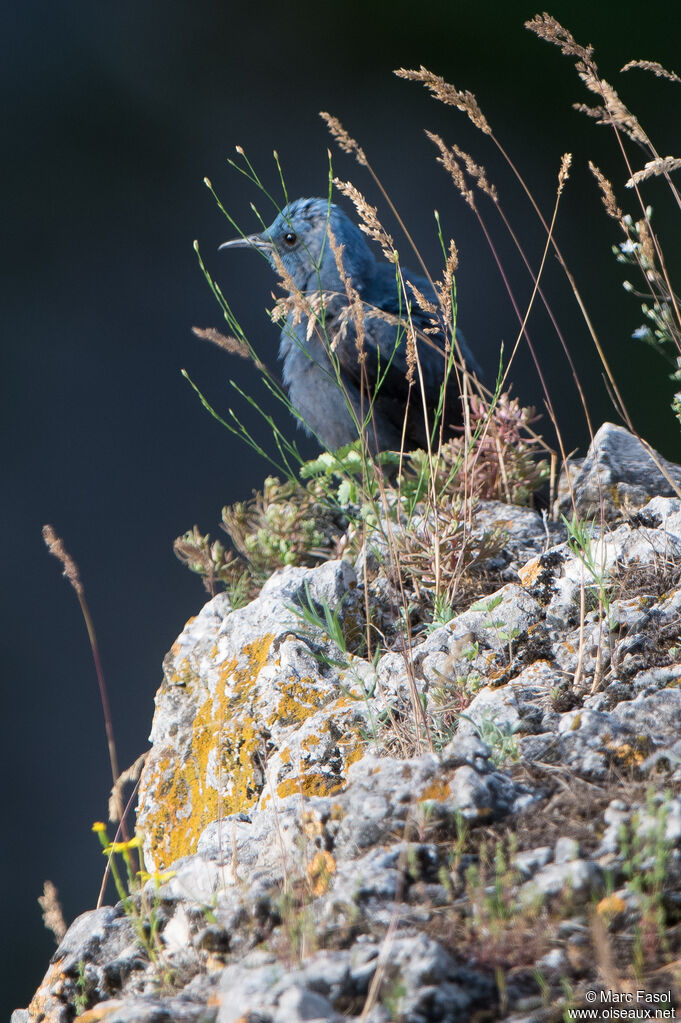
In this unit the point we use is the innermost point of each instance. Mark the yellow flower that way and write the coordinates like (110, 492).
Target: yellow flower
(121, 847)
(98, 826)
(158, 877)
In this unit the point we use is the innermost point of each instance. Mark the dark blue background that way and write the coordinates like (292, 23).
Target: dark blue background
(111, 115)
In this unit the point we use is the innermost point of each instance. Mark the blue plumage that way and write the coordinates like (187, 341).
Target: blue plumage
(299, 242)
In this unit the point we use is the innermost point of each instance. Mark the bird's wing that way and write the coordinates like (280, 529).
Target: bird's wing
(377, 364)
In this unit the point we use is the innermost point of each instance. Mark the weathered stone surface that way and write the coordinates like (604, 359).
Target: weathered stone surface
(315, 809)
(246, 713)
(619, 475)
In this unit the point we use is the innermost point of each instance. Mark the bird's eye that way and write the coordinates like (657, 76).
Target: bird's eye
(290, 238)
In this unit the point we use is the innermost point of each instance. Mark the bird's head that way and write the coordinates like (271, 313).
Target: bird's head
(300, 237)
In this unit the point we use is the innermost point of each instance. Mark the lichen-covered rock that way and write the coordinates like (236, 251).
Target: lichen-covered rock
(249, 711)
(314, 818)
(619, 476)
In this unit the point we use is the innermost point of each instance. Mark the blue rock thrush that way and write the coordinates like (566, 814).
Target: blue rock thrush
(323, 396)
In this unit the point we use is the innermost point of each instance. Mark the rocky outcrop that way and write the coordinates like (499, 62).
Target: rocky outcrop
(619, 475)
(417, 836)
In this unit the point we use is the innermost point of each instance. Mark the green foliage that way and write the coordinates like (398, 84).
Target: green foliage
(646, 851)
(500, 737)
(491, 885)
(81, 1000)
(143, 915)
(504, 633)
(592, 554)
(319, 616)
(284, 524)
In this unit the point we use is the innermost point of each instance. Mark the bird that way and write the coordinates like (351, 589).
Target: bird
(332, 381)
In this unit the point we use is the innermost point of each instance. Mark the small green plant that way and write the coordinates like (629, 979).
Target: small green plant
(216, 565)
(505, 634)
(449, 700)
(143, 916)
(392, 997)
(81, 1000)
(443, 612)
(592, 554)
(500, 737)
(568, 1000)
(284, 524)
(498, 925)
(299, 928)
(319, 616)
(646, 851)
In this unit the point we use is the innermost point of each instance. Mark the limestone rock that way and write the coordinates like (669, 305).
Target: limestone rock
(310, 811)
(619, 475)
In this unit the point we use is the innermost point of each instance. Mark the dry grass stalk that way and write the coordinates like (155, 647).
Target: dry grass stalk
(607, 192)
(53, 917)
(445, 287)
(370, 224)
(547, 28)
(131, 774)
(412, 358)
(564, 172)
(449, 94)
(453, 168)
(228, 343)
(478, 172)
(55, 545)
(296, 304)
(647, 244)
(653, 169)
(613, 111)
(423, 303)
(605, 956)
(354, 301)
(652, 65)
(344, 140)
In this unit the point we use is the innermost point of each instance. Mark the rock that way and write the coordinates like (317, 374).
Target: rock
(531, 860)
(567, 849)
(297, 1004)
(237, 688)
(580, 879)
(620, 474)
(312, 812)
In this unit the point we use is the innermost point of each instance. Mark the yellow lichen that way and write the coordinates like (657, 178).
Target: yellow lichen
(627, 754)
(611, 906)
(530, 572)
(320, 870)
(437, 790)
(300, 700)
(218, 774)
(312, 784)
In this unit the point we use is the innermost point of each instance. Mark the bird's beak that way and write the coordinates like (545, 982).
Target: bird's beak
(251, 241)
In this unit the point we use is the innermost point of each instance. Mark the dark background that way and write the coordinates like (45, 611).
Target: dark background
(111, 115)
